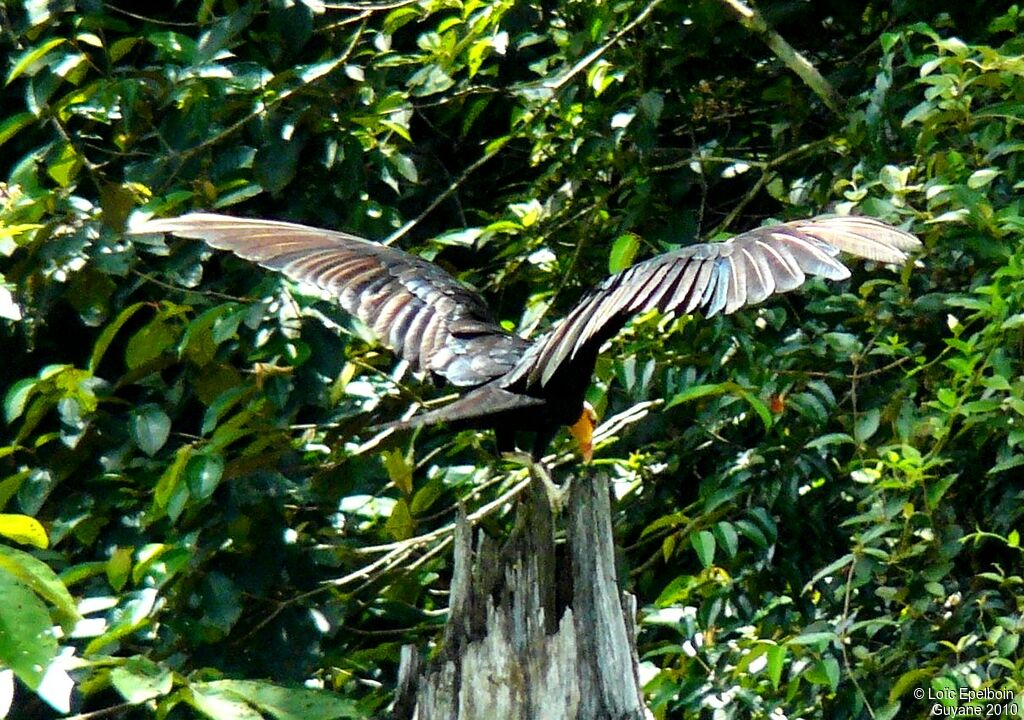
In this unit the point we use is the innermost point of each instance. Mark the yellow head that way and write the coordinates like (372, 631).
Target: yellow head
(583, 431)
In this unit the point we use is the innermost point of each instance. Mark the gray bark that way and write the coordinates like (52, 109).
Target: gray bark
(536, 629)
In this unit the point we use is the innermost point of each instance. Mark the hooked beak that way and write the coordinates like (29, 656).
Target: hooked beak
(583, 431)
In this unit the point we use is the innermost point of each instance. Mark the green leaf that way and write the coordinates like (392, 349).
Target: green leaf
(399, 469)
(119, 566)
(936, 489)
(175, 46)
(758, 406)
(696, 392)
(203, 473)
(150, 427)
(64, 166)
(27, 644)
(218, 704)
(10, 126)
(24, 529)
(888, 40)
(170, 482)
(866, 425)
(776, 662)
(704, 543)
(222, 404)
(276, 164)
(140, 679)
(672, 520)
(400, 524)
(149, 343)
(461, 238)
(675, 592)
(623, 251)
(981, 178)
(107, 336)
(37, 576)
(727, 537)
(17, 398)
(405, 167)
(11, 484)
(831, 439)
(947, 397)
(824, 672)
(753, 532)
(911, 679)
(31, 56)
(282, 703)
(81, 572)
(887, 711)
(1014, 461)
(813, 638)
(426, 496)
(430, 80)
(829, 570)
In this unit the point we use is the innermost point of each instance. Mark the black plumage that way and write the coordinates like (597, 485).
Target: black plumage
(442, 327)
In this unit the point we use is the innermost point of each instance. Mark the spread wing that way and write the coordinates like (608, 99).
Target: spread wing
(712, 278)
(417, 309)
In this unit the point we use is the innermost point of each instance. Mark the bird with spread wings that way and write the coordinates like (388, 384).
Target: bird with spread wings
(441, 326)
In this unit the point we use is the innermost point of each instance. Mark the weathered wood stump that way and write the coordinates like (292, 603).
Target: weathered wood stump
(536, 629)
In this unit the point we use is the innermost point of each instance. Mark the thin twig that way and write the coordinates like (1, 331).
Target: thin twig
(766, 175)
(447, 193)
(146, 18)
(848, 592)
(102, 712)
(853, 377)
(559, 82)
(371, 7)
(190, 291)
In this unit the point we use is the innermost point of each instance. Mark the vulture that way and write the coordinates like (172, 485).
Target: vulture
(511, 384)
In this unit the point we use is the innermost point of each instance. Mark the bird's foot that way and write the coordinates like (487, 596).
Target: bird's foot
(556, 493)
(518, 457)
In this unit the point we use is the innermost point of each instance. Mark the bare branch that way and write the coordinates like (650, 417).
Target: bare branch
(794, 60)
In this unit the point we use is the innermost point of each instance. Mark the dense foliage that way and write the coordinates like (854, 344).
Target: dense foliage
(822, 519)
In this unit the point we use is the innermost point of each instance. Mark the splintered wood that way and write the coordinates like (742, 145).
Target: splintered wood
(537, 630)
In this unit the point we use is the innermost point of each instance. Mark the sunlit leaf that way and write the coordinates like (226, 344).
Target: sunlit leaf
(282, 703)
(23, 529)
(140, 679)
(31, 56)
(623, 251)
(40, 578)
(400, 524)
(27, 644)
(203, 473)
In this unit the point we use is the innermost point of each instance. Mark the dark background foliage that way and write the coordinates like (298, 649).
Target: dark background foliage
(820, 514)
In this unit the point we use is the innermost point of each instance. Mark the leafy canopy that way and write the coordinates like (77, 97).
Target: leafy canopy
(819, 518)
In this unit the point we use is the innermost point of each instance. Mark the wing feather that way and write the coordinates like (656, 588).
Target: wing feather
(415, 307)
(711, 278)
(701, 280)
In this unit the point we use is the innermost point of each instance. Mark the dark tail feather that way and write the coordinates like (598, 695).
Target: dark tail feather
(471, 410)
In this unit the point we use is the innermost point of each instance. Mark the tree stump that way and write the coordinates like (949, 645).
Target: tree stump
(535, 629)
